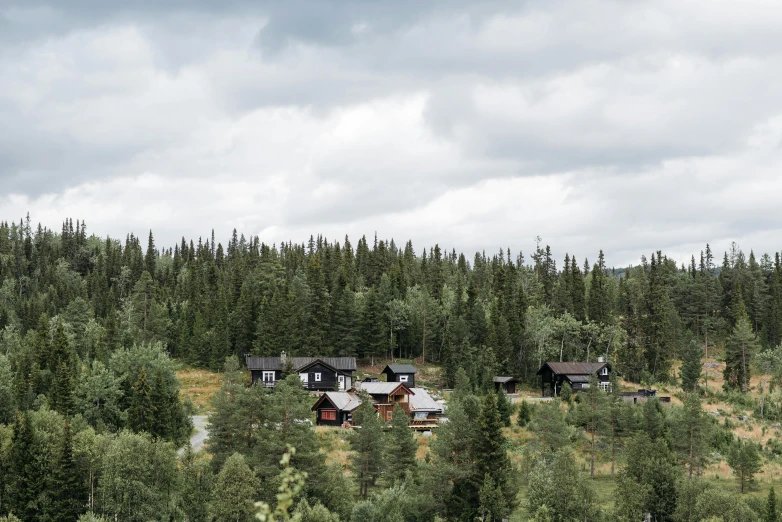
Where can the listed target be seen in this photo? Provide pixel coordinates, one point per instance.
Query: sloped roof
(400, 368)
(577, 378)
(382, 388)
(505, 379)
(343, 401)
(574, 368)
(422, 401)
(274, 363)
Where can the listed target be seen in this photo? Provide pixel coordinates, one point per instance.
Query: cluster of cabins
(340, 398)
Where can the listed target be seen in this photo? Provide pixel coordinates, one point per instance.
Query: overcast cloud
(626, 126)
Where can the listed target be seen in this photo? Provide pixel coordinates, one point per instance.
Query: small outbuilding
(400, 373)
(507, 384)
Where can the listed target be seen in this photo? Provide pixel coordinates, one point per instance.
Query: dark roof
(505, 379)
(400, 368)
(574, 368)
(274, 363)
(577, 378)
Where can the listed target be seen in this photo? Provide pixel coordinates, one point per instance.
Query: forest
(94, 424)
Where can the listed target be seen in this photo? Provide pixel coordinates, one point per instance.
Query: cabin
(316, 373)
(555, 374)
(336, 408)
(400, 373)
(507, 384)
(386, 395)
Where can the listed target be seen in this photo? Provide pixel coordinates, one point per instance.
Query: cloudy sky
(627, 126)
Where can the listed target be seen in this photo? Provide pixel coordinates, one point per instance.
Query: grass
(199, 386)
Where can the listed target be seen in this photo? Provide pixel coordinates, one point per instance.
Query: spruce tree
(692, 366)
(692, 431)
(26, 479)
(492, 457)
(525, 414)
(68, 490)
(739, 350)
(744, 459)
(367, 457)
(548, 425)
(142, 410)
(598, 303)
(770, 514)
(400, 448)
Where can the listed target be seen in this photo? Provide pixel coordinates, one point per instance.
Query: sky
(624, 126)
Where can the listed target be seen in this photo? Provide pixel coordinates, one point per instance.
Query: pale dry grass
(200, 386)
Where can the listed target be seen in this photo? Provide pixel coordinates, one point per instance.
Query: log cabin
(507, 384)
(316, 373)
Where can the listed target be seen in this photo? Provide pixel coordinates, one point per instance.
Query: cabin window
(328, 415)
(317, 377)
(605, 386)
(268, 376)
(304, 377)
(389, 415)
(341, 382)
(403, 378)
(604, 371)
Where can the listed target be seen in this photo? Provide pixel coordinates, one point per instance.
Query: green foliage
(566, 392)
(548, 425)
(692, 366)
(558, 491)
(400, 448)
(744, 459)
(234, 490)
(525, 414)
(739, 350)
(504, 406)
(367, 443)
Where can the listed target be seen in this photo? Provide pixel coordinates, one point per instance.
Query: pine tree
(26, 476)
(744, 459)
(548, 425)
(234, 492)
(67, 488)
(149, 259)
(692, 432)
(592, 413)
(492, 457)
(598, 303)
(400, 448)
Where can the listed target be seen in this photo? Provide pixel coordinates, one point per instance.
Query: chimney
(283, 359)
(600, 358)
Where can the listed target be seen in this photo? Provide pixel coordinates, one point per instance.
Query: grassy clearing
(199, 386)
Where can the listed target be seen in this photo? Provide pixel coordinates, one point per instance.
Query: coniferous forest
(94, 424)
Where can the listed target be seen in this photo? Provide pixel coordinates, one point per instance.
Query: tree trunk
(613, 444)
(691, 429)
(744, 364)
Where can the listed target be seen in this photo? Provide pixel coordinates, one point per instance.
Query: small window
(403, 378)
(268, 376)
(604, 371)
(303, 377)
(328, 415)
(317, 377)
(389, 415)
(605, 386)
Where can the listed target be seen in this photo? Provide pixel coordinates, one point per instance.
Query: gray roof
(574, 368)
(400, 368)
(274, 363)
(380, 387)
(422, 401)
(344, 401)
(505, 379)
(577, 378)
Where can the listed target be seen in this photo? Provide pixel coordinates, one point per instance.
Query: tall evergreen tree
(67, 488)
(400, 448)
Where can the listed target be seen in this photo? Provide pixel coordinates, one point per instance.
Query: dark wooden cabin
(316, 373)
(336, 408)
(507, 384)
(400, 373)
(555, 374)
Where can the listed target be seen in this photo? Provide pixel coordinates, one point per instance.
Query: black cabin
(400, 373)
(507, 384)
(316, 373)
(554, 374)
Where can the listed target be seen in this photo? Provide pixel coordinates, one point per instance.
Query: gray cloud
(627, 125)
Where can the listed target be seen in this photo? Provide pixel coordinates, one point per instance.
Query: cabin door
(341, 382)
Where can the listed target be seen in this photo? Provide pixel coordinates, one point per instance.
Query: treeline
(493, 314)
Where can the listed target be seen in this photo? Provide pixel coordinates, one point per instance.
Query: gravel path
(198, 438)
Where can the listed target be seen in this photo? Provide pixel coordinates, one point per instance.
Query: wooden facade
(404, 373)
(315, 373)
(554, 374)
